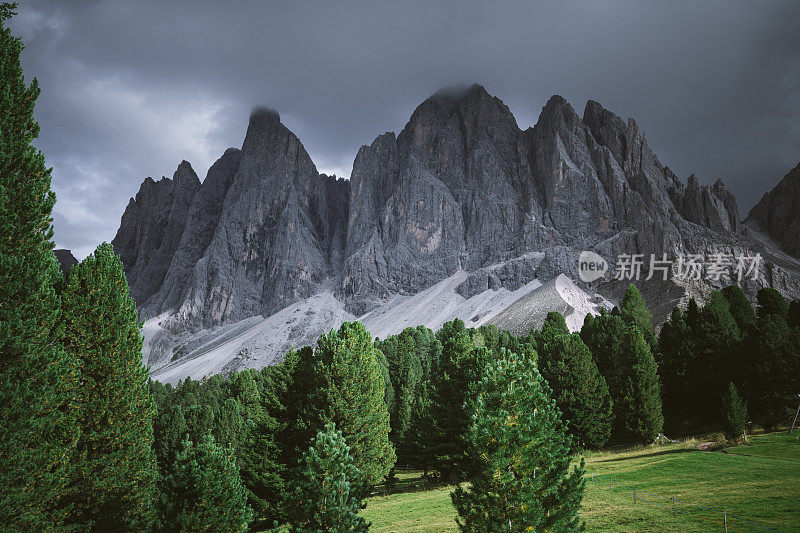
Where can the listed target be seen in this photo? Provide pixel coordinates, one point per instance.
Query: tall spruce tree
(341, 381)
(112, 485)
(38, 379)
(639, 414)
(676, 365)
(716, 340)
(734, 413)
(625, 359)
(578, 388)
(454, 372)
(169, 430)
(522, 480)
(203, 491)
(354, 387)
(329, 496)
(553, 328)
(740, 307)
(410, 356)
(633, 310)
(773, 377)
(771, 302)
(603, 335)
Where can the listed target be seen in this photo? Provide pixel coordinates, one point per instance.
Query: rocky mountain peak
(776, 214)
(185, 172)
(65, 260)
(557, 112)
(265, 131)
(151, 229)
(468, 111)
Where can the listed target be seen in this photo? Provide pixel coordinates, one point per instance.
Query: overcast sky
(129, 89)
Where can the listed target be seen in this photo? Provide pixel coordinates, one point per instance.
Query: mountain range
(462, 214)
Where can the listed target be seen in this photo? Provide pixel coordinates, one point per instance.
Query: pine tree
(771, 302)
(734, 411)
(603, 335)
(634, 312)
(409, 356)
(262, 474)
(329, 496)
(114, 471)
(639, 414)
(775, 348)
(263, 471)
(740, 307)
(355, 395)
(717, 360)
(578, 388)
(304, 408)
(676, 366)
(246, 392)
(409, 383)
(203, 491)
(625, 359)
(38, 379)
(453, 373)
(554, 327)
(341, 381)
(522, 480)
(229, 424)
(169, 430)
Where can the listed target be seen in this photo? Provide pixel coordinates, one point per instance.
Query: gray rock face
(265, 230)
(201, 224)
(152, 227)
(714, 207)
(65, 260)
(453, 190)
(462, 187)
(778, 212)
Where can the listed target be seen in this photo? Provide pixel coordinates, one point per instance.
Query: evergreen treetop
(328, 497)
(203, 491)
(523, 479)
(634, 311)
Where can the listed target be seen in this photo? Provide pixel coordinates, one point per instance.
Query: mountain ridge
(460, 188)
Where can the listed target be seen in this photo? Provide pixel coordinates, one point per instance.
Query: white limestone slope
(559, 294)
(439, 304)
(252, 343)
(257, 341)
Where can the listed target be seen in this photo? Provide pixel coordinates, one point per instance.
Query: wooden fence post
(673, 506)
(725, 520)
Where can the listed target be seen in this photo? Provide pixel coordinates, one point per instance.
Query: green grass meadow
(758, 481)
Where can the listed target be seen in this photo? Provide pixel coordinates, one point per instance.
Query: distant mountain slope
(462, 201)
(778, 212)
(65, 260)
(257, 341)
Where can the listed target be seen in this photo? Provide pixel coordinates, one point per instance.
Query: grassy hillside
(757, 481)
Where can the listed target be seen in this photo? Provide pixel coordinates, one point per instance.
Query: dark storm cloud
(131, 88)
